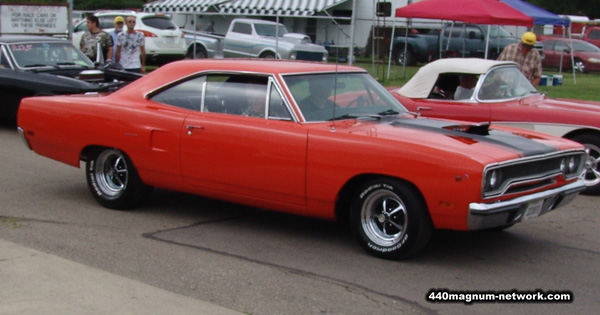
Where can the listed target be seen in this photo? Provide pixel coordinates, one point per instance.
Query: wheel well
(585, 131)
(90, 151)
(197, 45)
(344, 198)
(267, 52)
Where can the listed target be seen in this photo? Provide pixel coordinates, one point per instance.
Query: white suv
(164, 40)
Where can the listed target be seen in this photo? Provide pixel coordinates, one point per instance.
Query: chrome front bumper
(23, 138)
(505, 213)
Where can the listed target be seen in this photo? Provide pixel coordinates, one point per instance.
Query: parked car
(251, 38)
(586, 56)
(164, 41)
(255, 132)
(503, 96)
(42, 65)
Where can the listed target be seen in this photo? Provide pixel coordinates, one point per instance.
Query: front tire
(390, 219)
(591, 175)
(114, 181)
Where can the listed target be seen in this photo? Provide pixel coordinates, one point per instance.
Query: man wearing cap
(528, 59)
(118, 22)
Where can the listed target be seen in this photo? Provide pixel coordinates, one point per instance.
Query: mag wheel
(113, 180)
(390, 219)
(591, 174)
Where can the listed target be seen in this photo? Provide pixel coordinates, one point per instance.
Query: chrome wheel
(579, 66)
(390, 218)
(384, 218)
(591, 175)
(111, 173)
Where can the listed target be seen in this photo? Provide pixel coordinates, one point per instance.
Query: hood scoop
(482, 129)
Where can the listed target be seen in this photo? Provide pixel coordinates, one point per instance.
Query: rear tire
(591, 175)
(390, 219)
(113, 180)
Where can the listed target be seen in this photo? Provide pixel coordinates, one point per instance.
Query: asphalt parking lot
(260, 262)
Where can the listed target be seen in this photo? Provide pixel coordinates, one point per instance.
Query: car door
(240, 154)
(552, 51)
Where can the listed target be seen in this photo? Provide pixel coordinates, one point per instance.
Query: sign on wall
(33, 19)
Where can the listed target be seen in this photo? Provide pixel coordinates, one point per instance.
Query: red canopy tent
(470, 11)
(490, 12)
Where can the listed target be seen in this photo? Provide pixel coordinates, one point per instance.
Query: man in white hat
(528, 59)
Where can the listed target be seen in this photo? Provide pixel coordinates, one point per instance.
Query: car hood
(476, 141)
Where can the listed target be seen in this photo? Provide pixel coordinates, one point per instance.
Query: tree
(92, 5)
(587, 8)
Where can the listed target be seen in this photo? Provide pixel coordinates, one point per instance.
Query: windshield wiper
(39, 65)
(388, 112)
(351, 116)
(66, 64)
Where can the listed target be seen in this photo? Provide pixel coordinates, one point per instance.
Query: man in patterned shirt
(528, 59)
(92, 37)
(131, 53)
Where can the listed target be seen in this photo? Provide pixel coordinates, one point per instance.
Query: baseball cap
(119, 19)
(528, 39)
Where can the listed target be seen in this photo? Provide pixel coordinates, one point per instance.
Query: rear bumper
(505, 213)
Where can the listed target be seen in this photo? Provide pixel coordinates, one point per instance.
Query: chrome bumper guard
(505, 213)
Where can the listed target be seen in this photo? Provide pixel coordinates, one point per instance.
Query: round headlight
(494, 180)
(572, 165)
(563, 165)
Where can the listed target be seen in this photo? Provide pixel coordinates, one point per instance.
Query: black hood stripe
(520, 145)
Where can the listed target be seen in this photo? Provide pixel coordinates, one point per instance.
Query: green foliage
(587, 8)
(92, 5)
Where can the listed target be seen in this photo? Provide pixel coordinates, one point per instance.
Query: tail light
(148, 34)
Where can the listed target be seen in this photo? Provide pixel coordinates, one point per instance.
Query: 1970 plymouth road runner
(305, 138)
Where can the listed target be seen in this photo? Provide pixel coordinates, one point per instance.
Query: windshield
(270, 30)
(585, 46)
(30, 55)
(504, 83)
(323, 97)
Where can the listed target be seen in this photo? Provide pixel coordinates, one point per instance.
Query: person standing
(118, 22)
(528, 59)
(131, 53)
(92, 37)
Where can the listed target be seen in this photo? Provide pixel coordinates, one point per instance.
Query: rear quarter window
(159, 22)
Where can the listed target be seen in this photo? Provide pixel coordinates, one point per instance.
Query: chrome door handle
(192, 127)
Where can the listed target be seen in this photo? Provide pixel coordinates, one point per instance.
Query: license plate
(169, 40)
(533, 210)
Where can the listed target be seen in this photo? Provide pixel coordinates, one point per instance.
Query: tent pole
(487, 41)
(391, 47)
(572, 59)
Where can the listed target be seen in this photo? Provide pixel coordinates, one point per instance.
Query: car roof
(11, 39)
(421, 84)
(257, 66)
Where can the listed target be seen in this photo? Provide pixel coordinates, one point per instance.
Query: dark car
(40, 65)
(586, 56)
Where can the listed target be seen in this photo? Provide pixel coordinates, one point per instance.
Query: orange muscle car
(305, 138)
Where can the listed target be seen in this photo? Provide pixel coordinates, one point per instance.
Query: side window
(594, 34)
(244, 95)
(474, 33)
(187, 94)
(242, 28)
(277, 109)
